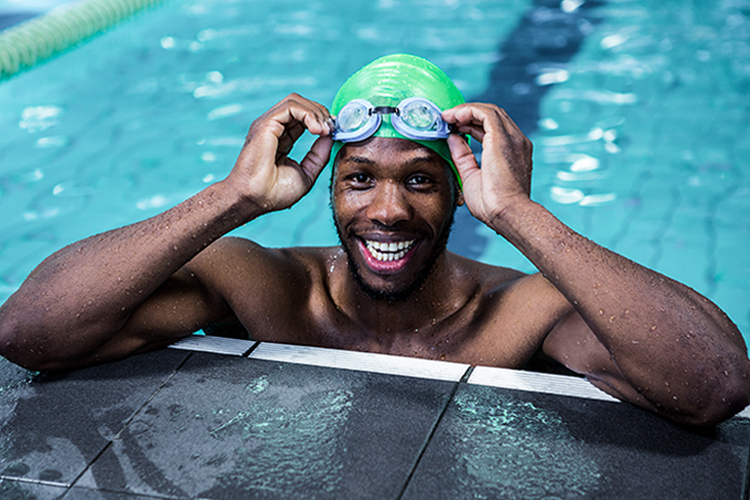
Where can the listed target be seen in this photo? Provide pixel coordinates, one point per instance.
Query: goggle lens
(420, 116)
(353, 117)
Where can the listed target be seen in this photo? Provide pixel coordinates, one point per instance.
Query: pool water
(638, 111)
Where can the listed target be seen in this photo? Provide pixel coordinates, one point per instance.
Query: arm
(130, 289)
(635, 333)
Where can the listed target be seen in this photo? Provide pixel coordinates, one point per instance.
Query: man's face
(393, 203)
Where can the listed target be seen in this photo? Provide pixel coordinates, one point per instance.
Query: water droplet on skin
(726, 373)
(653, 327)
(601, 312)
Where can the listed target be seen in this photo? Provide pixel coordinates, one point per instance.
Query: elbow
(724, 401)
(17, 345)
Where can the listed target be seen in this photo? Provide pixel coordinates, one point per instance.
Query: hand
(264, 174)
(505, 176)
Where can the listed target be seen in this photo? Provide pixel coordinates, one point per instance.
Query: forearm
(83, 294)
(674, 346)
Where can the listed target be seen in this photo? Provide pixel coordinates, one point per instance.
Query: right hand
(264, 174)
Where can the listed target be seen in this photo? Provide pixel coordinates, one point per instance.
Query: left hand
(505, 176)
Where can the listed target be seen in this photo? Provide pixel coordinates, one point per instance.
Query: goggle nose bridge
(384, 110)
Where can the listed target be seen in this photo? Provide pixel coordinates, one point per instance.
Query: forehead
(388, 152)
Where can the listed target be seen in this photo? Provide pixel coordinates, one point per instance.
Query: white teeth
(386, 252)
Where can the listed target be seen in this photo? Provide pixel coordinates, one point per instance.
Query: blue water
(640, 134)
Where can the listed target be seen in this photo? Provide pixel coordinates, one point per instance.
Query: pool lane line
(547, 36)
(27, 44)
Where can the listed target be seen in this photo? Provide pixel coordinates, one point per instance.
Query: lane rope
(38, 39)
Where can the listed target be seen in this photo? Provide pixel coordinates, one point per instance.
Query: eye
(359, 180)
(420, 181)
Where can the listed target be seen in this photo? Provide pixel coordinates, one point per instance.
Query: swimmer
(401, 166)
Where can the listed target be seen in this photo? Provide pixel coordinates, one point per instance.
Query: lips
(387, 257)
(388, 251)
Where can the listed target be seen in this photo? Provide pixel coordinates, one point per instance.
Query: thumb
(317, 158)
(463, 157)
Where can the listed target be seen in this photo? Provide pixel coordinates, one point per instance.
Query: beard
(402, 294)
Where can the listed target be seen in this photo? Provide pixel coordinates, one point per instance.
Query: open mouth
(388, 251)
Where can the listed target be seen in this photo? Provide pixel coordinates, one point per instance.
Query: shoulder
(239, 266)
(485, 278)
(241, 251)
(512, 314)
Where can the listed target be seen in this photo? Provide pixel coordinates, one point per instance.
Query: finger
(470, 119)
(317, 158)
(314, 116)
(289, 137)
(476, 132)
(463, 158)
(296, 109)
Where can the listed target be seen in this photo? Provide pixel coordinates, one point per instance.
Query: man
(391, 286)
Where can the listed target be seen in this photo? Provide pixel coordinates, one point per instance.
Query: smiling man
(401, 166)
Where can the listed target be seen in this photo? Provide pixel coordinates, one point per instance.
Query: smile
(387, 252)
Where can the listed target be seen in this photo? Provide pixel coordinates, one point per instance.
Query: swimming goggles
(415, 118)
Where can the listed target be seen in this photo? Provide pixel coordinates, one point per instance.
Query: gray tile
(77, 493)
(52, 425)
(499, 443)
(229, 427)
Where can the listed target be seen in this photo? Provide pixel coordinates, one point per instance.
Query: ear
(460, 198)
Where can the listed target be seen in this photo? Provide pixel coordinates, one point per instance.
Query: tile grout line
(247, 353)
(129, 421)
(427, 441)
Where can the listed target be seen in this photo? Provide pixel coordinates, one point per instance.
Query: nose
(389, 204)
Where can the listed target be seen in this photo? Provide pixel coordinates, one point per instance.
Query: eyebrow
(358, 159)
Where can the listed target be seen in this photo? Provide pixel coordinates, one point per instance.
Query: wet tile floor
(276, 421)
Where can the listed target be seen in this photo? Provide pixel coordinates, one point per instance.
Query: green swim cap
(391, 79)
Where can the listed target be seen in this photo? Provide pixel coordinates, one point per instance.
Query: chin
(388, 292)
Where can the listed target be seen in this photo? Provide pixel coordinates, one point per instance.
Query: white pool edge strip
(503, 378)
(361, 361)
(559, 385)
(39, 38)
(215, 345)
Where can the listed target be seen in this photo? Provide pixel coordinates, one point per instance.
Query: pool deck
(223, 418)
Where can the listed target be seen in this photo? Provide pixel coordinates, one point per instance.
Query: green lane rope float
(33, 41)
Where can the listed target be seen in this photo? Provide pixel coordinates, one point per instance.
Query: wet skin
(393, 205)
(632, 332)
